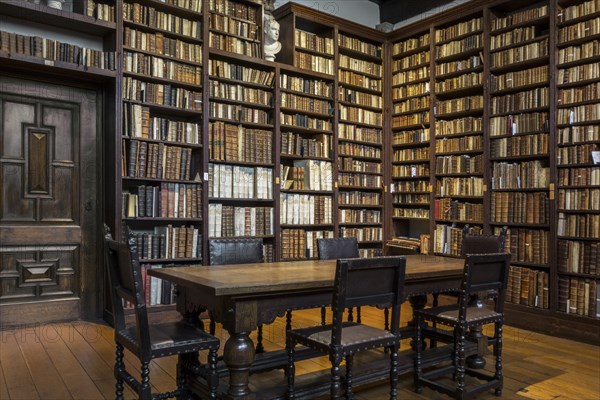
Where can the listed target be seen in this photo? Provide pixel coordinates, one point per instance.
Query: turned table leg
(238, 355)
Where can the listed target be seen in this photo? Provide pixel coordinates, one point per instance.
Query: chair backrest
(335, 248)
(125, 280)
(235, 251)
(484, 273)
(482, 244)
(368, 281)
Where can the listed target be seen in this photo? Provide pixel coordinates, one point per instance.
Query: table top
(240, 279)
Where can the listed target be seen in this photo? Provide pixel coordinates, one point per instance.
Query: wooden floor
(74, 361)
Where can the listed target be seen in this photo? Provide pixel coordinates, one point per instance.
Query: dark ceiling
(394, 11)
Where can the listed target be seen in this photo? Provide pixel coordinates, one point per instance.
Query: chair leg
(461, 361)
(323, 315)
(182, 386)
(119, 367)
(259, 340)
(419, 349)
(498, 354)
(350, 315)
(290, 370)
(213, 375)
(358, 318)
(145, 388)
(393, 372)
(348, 382)
(288, 320)
(336, 359)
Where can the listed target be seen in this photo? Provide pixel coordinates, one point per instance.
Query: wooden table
(241, 297)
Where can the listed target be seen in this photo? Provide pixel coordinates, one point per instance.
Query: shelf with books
(235, 26)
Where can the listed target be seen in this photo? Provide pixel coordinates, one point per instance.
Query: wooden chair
(358, 282)
(483, 272)
(236, 251)
(149, 341)
(333, 249)
(482, 244)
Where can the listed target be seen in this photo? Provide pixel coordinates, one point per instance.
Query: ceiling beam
(395, 11)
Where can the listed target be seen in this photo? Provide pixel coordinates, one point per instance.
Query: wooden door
(49, 207)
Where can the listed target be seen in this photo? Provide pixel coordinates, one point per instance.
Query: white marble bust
(272, 44)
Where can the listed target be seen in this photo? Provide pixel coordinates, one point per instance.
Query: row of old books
(239, 182)
(306, 85)
(238, 92)
(309, 104)
(582, 154)
(579, 94)
(526, 245)
(223, 69)
(458, 126)
(359, 45)
(364, 216)
(138, 122)
(421, 118)
(405, 244)
(579, 10)
(579, 177)
(228, 142)
(317, 175)
(463, 164)
(408, 76)
(534, 98)
(579, 296)
(410, 136)
(473, 42)
(149, 16)
(233, 44)
(448, 209)
(412, 43)
(470, 63)
(579, 114)
(458, 105)
(363, 66)
(521, 53)
(522, 175)
(581, 52)
(360, 115)
(239, 113)
(314, 63)
(579, 199)
(158, 67)
(519, 78)
(304, 209)
(578, 73)
(472, 186)
(163, 95)
(412, 213)
(304, 121)
(360, 133)
(580, 30)
(169, 200)
(411, 90)
(157, 43)
(522, 145)
(406, 197)
(520, 207)
(101, 11)
(359, 198)
(301, 244)
(311, 41)
(472, 25)
(350, 164)
(359, 150)
(235, 9)
(157, 161)
(157, 291)
(230, 221)
(520, 123)
(460, 82)
(298, 145)
(360, 180)
(368, 234)
(357, 79)
(584, 226)
(447, 240)
(579, 257)
(519, 17)
(169, 242)
(465, 143)
(412, 104)
(247, 30)
(516, 36)
(411, 61)
(527, 287)
(418, 154)
(55, 50)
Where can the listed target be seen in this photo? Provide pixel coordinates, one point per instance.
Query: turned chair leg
(323, 315)
(119, 367)
(498, 355)
(348, 382)
(145, 388)
(335, 375)
(259, 340)
(419, 349)
(213, 375)
(394, 372)
(290, 370)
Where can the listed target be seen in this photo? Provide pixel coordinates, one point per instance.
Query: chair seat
(171, 336)
(450, 313)
(353, 335)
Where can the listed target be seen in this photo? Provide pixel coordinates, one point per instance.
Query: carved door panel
(48, 191)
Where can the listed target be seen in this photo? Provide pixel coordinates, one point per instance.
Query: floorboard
(75, 361)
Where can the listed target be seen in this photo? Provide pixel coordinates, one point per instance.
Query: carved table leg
(238, 355)
(417, 302)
